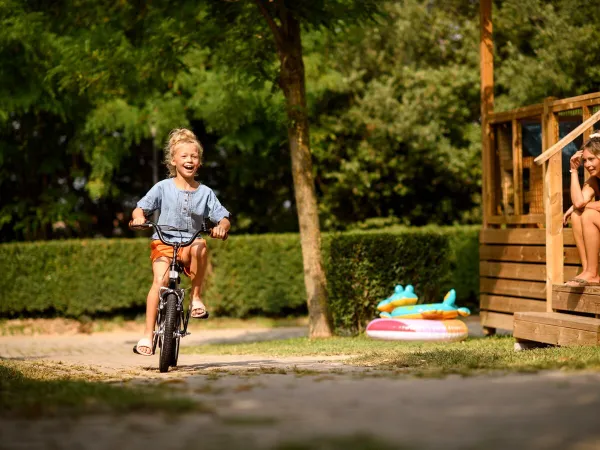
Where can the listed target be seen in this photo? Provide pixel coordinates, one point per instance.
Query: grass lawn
(32, 389)
(470, 357)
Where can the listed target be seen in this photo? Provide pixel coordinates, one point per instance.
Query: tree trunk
(292, 83)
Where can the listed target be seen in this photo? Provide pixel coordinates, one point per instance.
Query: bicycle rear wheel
(168, 342)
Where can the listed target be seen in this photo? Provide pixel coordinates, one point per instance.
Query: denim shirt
(185, 210)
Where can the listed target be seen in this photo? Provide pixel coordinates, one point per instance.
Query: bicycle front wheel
(168, 344)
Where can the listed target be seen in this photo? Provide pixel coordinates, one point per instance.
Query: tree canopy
(393, 106)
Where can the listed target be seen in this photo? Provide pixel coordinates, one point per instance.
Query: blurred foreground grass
(34, 389)
(470, 357)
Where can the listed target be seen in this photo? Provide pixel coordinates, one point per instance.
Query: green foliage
(248, 275)
(399, 135)
(545, 48)
(363, 269)
(393, 104)
(74, 277)
(257, 275)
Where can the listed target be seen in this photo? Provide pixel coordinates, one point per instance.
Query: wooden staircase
(565, 325)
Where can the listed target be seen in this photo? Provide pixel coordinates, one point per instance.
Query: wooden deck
(568, 326)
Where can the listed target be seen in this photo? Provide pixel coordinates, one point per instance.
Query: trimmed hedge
(256, 274)
(365, 266)
(248, 275)
(74, 277)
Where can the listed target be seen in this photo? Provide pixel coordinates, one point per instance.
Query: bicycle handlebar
(150, 224)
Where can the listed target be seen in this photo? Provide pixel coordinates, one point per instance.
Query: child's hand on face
(575, 161)
(218, 232)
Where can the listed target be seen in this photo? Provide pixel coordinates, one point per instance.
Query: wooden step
(576, 299)
(556, 328)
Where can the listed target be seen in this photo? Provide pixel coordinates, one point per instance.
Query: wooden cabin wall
(512, 270)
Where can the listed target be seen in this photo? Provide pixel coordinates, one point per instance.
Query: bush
(365, 267)
(247, 275)
(74, 277)
(256, 274)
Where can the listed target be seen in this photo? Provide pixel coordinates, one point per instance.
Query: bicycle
(171, 320)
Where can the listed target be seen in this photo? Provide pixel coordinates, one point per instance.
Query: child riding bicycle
(183, 203)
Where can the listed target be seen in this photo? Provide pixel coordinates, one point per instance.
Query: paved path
(343, 409)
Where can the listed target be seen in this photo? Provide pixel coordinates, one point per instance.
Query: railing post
(517, 158)
(553, 206)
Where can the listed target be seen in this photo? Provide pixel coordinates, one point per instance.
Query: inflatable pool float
(417, 330)
(400, 297)
(433, 311)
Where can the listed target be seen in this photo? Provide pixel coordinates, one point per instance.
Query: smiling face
(591, 162)
(186, 159)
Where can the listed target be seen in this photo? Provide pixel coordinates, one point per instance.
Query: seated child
(585, 212)
(183, 203)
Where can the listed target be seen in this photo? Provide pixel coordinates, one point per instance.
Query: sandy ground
(338, 407)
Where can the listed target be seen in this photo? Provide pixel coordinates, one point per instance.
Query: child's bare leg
(160, 268)
(196, 257)
(577, 225)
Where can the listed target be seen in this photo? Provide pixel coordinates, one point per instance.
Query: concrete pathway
(284, 404)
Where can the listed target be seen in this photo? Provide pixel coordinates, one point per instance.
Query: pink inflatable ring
(417, 330)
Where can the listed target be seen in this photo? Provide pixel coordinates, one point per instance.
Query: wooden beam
(521, 236)
(558, 146)
(553, 334)
(582, 303)
(519, 271)
(512, 288)
(496, 320)
(529, 111)
(594, 96)
(517, 160)
(523, 253)
(510, 305)
(486, 62)
(552, 204)
(561, 320)
(523, 112)
(517, 220)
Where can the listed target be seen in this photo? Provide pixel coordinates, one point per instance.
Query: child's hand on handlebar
(137, 222)
(218, 232)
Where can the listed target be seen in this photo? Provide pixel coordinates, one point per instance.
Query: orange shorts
(158, 249)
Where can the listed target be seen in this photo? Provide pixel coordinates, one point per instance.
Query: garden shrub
(365, 267)
(248, 275)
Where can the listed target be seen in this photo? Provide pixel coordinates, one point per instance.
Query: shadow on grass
(21, 395)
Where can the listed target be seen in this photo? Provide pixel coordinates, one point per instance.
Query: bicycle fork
(183, 318)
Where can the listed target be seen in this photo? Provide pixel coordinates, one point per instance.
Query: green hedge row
(248, 275)
(364, 268)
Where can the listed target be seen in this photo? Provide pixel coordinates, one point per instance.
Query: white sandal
(143, 342)
(198, 305)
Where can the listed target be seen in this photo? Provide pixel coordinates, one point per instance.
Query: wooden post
(585, 115)
(486, 66)
(517, 160)
(486, 63)
(552, 203)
